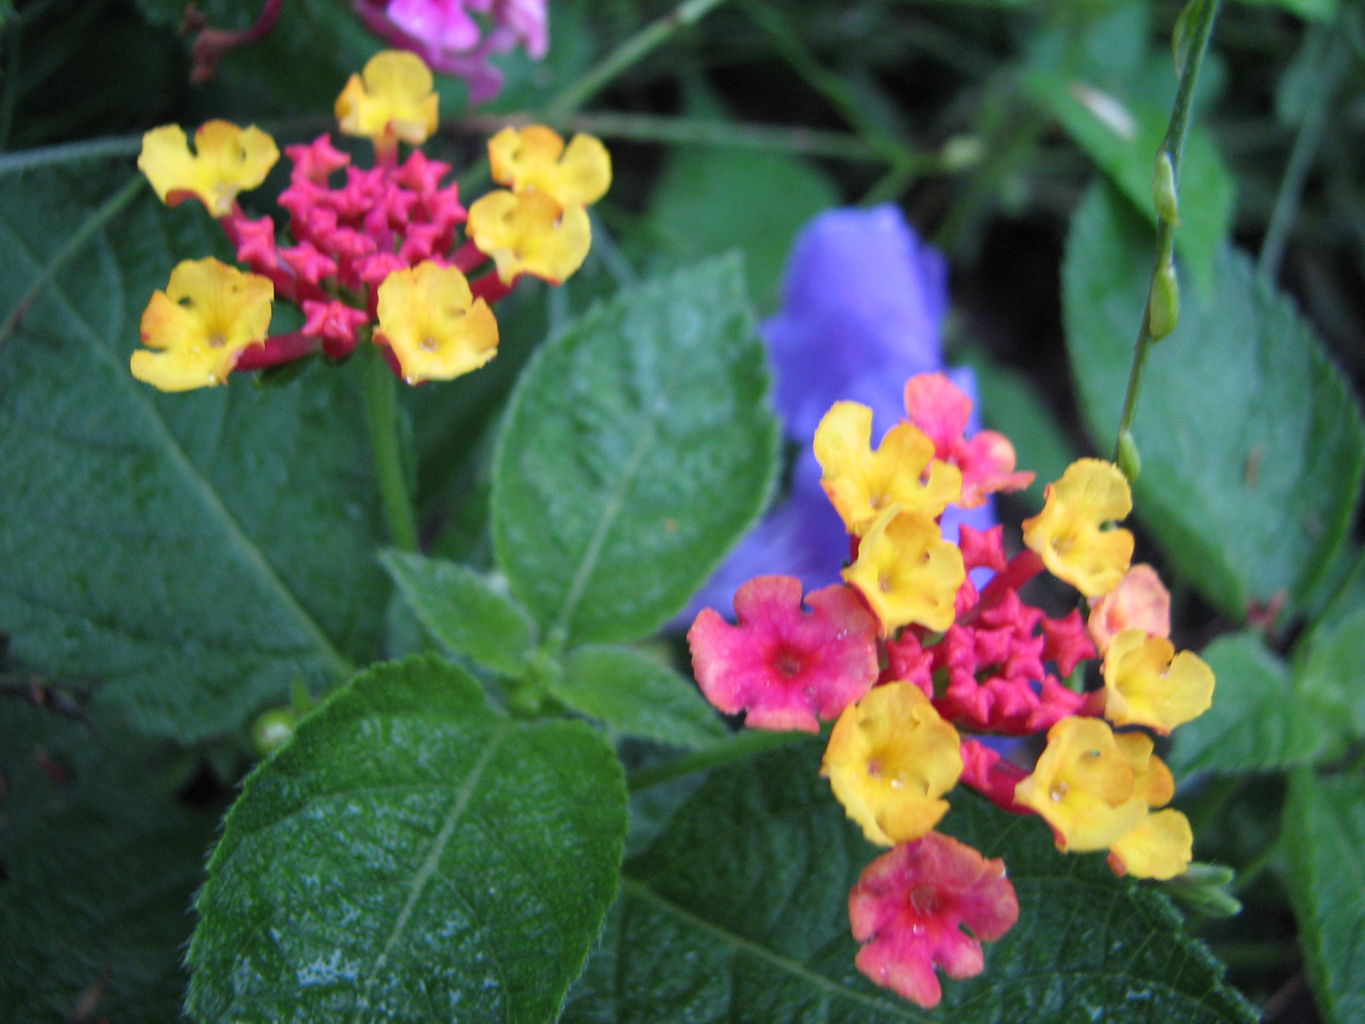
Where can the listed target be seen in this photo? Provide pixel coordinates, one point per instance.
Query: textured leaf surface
(100, 865)
(636, 694)
(1257, 722)
(1324, 834)
(188, 554)
(1249, 506)
(464, 610)
(411, 856)
(738, 912)
(638, 446)
(1332, 673)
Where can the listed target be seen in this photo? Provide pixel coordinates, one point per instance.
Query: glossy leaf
(638, 446)
(739, 912)
(1324, 834)
(637, 694)
(1258, 720)
(464, 610)
(190, 555)
(1248, 506)
(411, 855)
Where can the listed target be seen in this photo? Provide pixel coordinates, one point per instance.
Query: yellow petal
(434, 325)
(195, 330)
(535, 157)
(1068, 533)
(1160, 847)
(227, 160)
(889, 760)
(862, 483)
(392, 98)
(1147, 683)
(530, 233)
(1083, 786)
(907, 572)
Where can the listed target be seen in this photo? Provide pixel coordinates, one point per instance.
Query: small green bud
(1130, 462)
(1163, 189)
(1201, 888)
(272, 730)
(1163, 307)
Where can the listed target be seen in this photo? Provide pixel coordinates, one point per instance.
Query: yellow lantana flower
(227, 160)
(1068, 535)
(530, 233)
(535, 157)
(392, 98)
(433, 323)
(862, 483)
(907, 572)
(207, 316)
(890, 758)
(1084, 786)
(1160, 847)
(1147, 683)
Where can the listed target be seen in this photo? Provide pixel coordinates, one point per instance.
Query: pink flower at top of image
(457, 37)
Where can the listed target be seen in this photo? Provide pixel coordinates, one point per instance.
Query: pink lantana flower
(939, 409)
(909, 909)
(786, 666)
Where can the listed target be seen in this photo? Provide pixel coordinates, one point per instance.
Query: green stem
(1335, 39)
(381, 409)
(1259, 863)
(694, 132)
(1172, 148)
(629, 53)
(97, 220)
(736, 747)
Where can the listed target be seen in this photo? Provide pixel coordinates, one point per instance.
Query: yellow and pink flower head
(919, 665)
(386, 254)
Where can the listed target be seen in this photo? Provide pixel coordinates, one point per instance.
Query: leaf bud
(1163, 189)
(1130, 462)
(1163, 306)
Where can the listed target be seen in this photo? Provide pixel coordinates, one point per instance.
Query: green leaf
(739, 912)
(1258, 720)
(100, 864)
(464, 610)
(410, 855)
(1249, 506)
(187, 555)
(1313, 10)
(1324, 827)
(1119, 116)
(1332, 673)
(636, 694)
(709, 201)
(639, 445)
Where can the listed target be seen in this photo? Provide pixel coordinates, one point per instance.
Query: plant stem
(736, 747)
(633, 50)
(381, 409)
(698, 132)
(111, 208)
(1335, 39)
(1172, 147)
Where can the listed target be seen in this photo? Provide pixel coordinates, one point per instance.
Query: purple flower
(445, 34)
(863, 306)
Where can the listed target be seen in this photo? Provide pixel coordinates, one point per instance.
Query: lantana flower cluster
(918, 668)
(387, 255)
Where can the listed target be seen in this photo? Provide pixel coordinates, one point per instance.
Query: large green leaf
(1252, 446)
(637, 694)
(1331, 673)
(1259, 720)
(1116, 106)
(411, 855)
(638, 446)
(100, 863)
(738, 912)
(188, 555)
(1324, 828)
